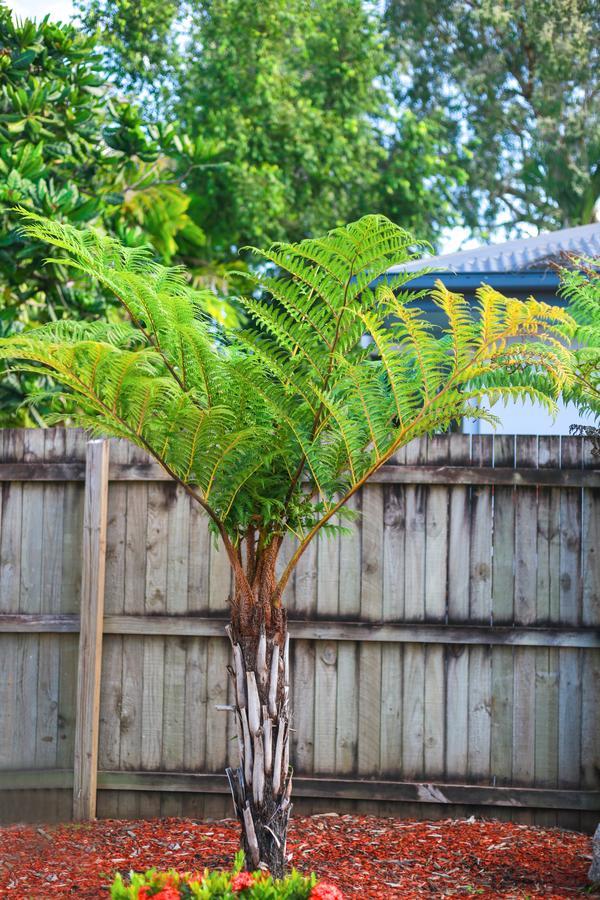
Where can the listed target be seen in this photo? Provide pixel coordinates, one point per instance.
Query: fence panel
(446, 656)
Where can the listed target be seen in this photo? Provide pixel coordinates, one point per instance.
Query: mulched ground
(365, 856)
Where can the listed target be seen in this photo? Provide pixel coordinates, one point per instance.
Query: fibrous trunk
(261, 785)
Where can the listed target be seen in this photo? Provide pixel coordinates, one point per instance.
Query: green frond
(274, 423)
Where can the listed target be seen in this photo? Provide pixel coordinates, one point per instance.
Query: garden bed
(365, 856)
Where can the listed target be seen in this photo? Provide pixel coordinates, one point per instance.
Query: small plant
(224, 885)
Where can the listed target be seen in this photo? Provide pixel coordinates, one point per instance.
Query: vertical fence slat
(90, 635)
(480, 605)
(526, 513)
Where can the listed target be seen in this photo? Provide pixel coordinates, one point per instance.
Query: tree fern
(273, 426)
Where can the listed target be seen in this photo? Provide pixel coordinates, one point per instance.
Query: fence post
(90, 636)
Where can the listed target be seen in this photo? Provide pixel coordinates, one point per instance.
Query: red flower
(324, 890)
(168, 893)
(241, 881)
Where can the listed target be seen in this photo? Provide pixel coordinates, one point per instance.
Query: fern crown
(274, 424)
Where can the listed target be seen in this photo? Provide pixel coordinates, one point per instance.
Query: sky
(37, 9)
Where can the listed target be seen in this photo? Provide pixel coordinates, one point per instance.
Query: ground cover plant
(272, 426)
(363, 856)
(259, 885)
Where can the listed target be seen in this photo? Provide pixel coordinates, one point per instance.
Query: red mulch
(365, 856)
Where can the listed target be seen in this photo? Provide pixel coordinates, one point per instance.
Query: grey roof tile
(516, 255)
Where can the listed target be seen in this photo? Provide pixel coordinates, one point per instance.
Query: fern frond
(276, 422)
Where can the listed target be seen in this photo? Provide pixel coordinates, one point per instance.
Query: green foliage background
(260, 121)
(518, 84)
(296, 96)
(71, 151)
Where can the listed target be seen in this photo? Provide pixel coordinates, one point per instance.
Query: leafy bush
(224, 885)
(70, 150)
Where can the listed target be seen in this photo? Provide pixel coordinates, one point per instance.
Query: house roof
(534, 253)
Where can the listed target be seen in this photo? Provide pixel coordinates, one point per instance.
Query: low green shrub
(234, 885)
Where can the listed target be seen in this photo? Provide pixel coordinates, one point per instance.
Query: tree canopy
(69, 150)
(295, 98)
(518, 84)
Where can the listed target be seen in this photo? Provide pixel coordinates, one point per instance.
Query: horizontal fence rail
(389, 474)
(446, 655)
(196, 626)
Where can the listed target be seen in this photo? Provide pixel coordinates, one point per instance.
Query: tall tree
(519, 83)
(295, 95)
(273, 426)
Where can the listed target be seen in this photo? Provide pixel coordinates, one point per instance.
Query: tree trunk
(261, 785)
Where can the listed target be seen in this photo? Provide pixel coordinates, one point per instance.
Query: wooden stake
(87, 724)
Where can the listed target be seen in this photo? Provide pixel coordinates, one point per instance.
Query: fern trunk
(261, 785)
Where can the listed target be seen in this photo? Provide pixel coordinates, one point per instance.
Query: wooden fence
(446, 657)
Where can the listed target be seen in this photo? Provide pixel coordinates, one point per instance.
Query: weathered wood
(570, 661)
(11, 711)
(525, 612)
(197, 626)
(69, 596)
(392, 662)
(459, 710)
(502, 676)
(480, 610)
(117, 711)
(90, 636)
(173, 718)
(42, 471)
(395, 791)
(547, 611)
(436, 593)
(406, 474)
(34, 720)
(486, 475)
(371, 575)
(134, 574)
(457, 669)
(220, 750)
(367, 789)
(326, 675)
(413, 677)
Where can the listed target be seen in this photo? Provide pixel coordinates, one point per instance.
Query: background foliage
(517, 82)
(296, 96)
(270, 120)
(69, 151)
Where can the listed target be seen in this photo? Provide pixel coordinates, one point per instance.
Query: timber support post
(90, 637)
